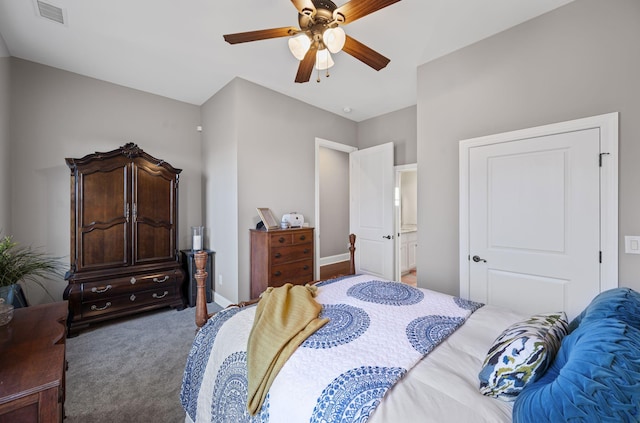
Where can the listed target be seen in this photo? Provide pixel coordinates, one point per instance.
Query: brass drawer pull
(166, 278)
(106, 306)
(160, 296)
(133, 281)
(101, 289)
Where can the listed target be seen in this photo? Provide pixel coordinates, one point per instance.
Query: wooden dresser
(124, 219)
(32, 364)
(280, 256)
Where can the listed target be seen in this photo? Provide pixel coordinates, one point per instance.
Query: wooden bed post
(202, 314)
(352, 251)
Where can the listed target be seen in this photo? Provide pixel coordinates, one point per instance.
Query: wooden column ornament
(202, 315)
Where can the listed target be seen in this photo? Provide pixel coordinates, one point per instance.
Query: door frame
(320, 142)
(608, 127)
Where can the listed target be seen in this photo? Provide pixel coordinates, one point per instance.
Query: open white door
(371, 212)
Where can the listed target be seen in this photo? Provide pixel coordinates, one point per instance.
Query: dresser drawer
(93, 291)
(121, 302)
(296, 272)
(280, 255)
(290, 237)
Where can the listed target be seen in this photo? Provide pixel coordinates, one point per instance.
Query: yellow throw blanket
(285, 317)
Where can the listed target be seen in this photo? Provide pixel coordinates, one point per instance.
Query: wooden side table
(32, 368)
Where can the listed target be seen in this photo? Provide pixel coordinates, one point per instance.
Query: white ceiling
(175, 48)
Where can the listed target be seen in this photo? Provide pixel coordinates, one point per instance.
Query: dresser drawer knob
(306, 251)
(302, 237)
(277, 255)
(160, 296)
(101, 289)
(277, 273)
(306, 267)
(133, 281)
(95, 308)
(166, 278)
(281, 240)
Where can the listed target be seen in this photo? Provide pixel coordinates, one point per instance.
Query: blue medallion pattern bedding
(378, 330)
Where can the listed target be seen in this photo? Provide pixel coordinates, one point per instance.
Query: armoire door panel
(104, 247)
(153, 243)
(103, 218)
(154, 200)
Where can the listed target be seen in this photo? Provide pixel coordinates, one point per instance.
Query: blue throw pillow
(521, 354)
(619, 303)
(595, 377)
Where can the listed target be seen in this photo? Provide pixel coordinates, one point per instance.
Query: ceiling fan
(320, 34)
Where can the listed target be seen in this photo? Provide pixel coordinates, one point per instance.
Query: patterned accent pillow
(521, 354)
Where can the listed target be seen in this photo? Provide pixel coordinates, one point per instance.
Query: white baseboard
(334, 259)
(221, 301)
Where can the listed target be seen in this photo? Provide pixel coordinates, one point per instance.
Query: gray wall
(57, 114)
(5, 147)
(274, 147)
(220, 118)
(400, 127)
(577, 61)
(334, 202)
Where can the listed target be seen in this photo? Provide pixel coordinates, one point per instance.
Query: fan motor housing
(323, 15)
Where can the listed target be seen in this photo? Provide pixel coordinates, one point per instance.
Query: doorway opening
(406, 223)
(331, 208)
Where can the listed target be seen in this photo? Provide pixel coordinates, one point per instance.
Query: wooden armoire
(124, 223)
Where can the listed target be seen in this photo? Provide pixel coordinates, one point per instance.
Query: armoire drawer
(122, 302)
(93, 291)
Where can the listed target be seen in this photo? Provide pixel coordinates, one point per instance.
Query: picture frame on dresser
(268, 219)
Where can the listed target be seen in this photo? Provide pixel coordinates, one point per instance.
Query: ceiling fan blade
(264, 34)
(365, 54)
(306, 65)
(356, 9)
(305, 7)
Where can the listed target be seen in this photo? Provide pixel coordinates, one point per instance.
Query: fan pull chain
(318, 80)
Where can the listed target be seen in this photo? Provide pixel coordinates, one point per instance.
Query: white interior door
(371, 211)
(534, 222)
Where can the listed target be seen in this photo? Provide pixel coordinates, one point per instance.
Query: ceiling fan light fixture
(334, 39)
(299, 46)
(323, 59)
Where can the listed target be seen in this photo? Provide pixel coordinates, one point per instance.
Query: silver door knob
(478, 259)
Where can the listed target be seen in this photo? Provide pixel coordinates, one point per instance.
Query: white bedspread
(378, 331)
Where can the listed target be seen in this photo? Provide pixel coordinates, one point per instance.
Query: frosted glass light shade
(323, 59)
(334, 39)
(299, 46)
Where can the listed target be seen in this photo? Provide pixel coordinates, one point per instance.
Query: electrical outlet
(219, 279)
(632, 244)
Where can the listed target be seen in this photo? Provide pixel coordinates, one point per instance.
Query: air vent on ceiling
(51, 12)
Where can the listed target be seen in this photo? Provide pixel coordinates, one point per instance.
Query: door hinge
(600, 257)
(602, 154)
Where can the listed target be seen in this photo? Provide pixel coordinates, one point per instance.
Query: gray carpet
(130, 369)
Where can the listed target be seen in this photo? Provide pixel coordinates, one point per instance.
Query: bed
(395, 353)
